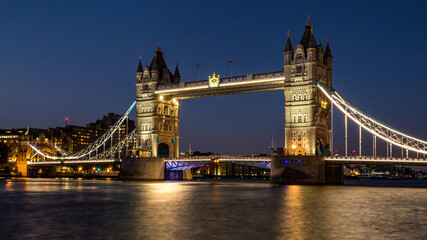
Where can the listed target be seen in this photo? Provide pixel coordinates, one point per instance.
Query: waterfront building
(11, 138)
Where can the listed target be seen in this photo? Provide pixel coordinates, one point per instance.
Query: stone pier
(150, 169)
(304, 170)
(142, 169)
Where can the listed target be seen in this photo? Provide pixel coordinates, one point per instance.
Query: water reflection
(112, 209)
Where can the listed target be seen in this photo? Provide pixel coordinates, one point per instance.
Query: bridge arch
(163, 150)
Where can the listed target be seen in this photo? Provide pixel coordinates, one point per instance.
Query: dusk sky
(79, 58)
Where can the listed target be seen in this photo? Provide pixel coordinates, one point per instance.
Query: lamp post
(293, 148)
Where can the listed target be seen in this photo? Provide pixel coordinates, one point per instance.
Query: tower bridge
(306, 81)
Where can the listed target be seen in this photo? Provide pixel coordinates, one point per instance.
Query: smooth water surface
(113, 209)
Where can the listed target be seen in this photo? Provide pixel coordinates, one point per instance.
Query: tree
(4, 153)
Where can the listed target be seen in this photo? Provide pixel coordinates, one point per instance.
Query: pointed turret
(289, 51)
(139, 65)
(159, 64)
(307, 40)
(139, 70)
(288, 47)
(328, 49)
(176, 75)
(328, 55)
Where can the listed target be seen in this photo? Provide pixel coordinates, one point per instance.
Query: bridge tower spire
(289, 50)
(176, 75)
(307, 111)
(139, 70)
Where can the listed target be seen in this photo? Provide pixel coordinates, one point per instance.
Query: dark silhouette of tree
(4, 153)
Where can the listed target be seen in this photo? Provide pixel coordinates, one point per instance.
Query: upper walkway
(234, 85)
(74, 162)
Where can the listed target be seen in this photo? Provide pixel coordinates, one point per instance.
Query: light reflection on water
(112, 209)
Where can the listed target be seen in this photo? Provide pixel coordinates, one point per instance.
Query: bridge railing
(235, 79)
(219, 157)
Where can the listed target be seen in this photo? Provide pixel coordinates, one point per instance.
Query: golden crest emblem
(214, 80)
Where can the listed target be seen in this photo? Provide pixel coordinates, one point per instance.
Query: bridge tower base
(304, 170)
(179, 175)
(142, 169)
(334, 173)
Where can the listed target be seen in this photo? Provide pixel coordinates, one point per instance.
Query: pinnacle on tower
(176, 75)
(307, 40)
(308, 24)
(288, 47)
(176, 70)
(158, 63)
(139, 65)
(328, 49)
(158, 49)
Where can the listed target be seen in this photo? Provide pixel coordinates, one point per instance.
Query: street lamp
(293, 147)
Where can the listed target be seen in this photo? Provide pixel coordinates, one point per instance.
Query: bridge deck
(377, 160)
(219, 158)
(209, 159)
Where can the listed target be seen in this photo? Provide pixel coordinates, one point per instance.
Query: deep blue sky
(78, 59)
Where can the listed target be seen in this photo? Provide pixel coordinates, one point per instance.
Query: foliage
(4, 153)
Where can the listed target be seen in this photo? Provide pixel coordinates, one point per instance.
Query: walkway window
(299, 118)
(294, 97)
(305, 96)
(299, 97)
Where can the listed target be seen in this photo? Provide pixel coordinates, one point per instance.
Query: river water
(113, 209)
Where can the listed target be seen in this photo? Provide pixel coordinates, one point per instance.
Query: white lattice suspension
(93, 146)
(61, 151)
(118, 146)
(373, 126)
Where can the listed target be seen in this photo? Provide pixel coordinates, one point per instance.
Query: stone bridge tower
(307, 111)
(157, 116)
